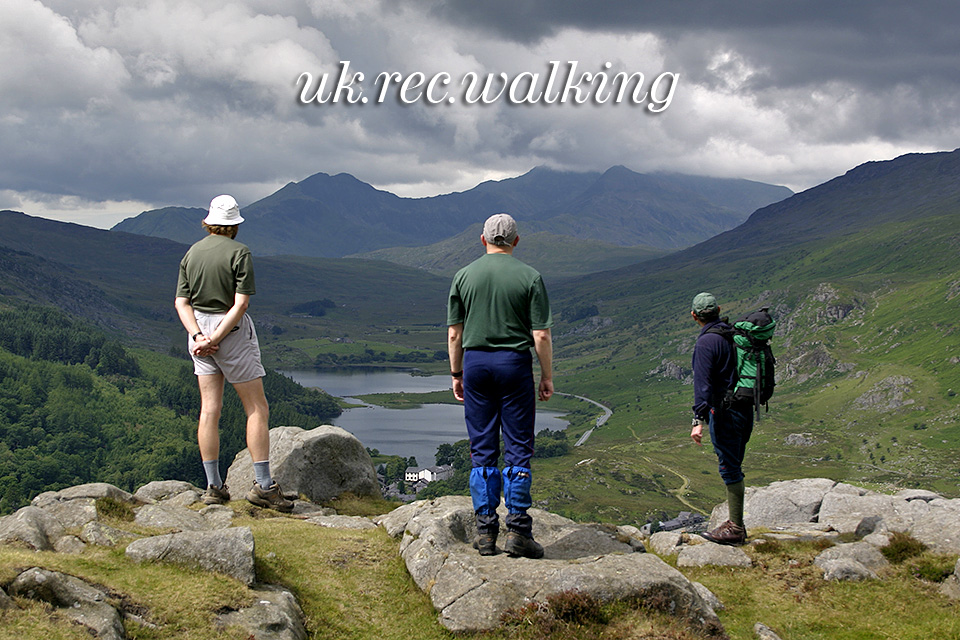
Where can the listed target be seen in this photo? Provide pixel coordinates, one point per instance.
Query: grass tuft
(901, 547)
(112, 509)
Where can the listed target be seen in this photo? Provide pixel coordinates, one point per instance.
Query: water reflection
(404, 432)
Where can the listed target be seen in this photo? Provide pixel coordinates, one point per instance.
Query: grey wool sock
(262, 472)
(212, 469)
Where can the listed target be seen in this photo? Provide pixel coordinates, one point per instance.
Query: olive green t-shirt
(500, 302)
(213, 271)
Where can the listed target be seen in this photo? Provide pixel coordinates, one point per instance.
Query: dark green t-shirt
(500, 302)
(213, 271)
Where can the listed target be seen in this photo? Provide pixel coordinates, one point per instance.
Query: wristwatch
(194, 336)
(457, 374)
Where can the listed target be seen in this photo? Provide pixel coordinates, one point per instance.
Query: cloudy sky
(112, 107)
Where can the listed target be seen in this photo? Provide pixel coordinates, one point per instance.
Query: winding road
(601, 420)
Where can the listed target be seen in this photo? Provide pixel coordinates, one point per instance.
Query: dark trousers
(500, 399)
(730, 429)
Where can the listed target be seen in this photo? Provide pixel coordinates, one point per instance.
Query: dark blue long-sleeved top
(714, 369)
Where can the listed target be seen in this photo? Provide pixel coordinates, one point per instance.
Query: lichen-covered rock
(846, 569)
(166, 516)
(103, 535)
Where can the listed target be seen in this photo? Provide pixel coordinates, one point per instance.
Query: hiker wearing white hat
(213, 294)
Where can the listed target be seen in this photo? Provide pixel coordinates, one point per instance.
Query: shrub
(901, 547)
(932, 568)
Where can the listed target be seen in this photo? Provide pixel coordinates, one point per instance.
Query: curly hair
(229, 230)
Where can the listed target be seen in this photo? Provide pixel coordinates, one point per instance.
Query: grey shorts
(238, 358)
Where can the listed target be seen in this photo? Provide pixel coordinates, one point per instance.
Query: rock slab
(228, 551)
(471, 592)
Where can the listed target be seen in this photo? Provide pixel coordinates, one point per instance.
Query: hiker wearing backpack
(720, 404)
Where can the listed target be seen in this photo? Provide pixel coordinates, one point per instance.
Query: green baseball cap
(704, 303)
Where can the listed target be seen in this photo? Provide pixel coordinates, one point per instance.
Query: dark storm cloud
(116, 107)
(879, 43)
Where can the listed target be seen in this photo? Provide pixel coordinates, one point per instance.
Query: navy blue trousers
(730, 429)
(500, 399)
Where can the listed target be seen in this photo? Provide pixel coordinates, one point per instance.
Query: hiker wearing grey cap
(213, 293)
(497, 310)
(730, 421)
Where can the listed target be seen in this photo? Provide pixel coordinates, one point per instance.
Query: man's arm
(241, 302)
(455, 351)
(202, 345)
(543, 345)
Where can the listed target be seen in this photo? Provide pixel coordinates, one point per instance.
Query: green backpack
(755, 362)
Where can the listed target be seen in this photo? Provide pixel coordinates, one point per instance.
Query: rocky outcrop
(229, 551)
(77, 600)
(933, 520)
(887, 395)
(320, 464)
(31, 527)
(471, 592)
(274, 615)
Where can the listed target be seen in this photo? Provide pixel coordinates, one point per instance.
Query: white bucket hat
(224, 211)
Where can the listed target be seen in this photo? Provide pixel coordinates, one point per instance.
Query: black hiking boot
(486, 544)
(521, 546)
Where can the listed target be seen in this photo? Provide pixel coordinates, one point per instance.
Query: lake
(403, 432)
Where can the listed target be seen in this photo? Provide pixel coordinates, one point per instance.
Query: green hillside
(861, 275)
(554, 256)
(126, 283)
(76, 406)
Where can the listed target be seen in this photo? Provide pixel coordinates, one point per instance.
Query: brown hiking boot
(271, 498)
(727, 533)
(213, 495)
(486, 544)
(520, 546)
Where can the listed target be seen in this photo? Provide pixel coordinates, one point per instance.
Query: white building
(428, 474)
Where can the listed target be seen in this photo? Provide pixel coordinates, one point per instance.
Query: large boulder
(779, 503)
(321, 464)
(471, 592)
(31, 527)
(227, 551)
(79, 601)
(94, 490)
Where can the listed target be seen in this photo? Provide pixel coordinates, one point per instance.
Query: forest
(77, 406)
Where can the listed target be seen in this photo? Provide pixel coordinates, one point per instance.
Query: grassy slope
(894, 282)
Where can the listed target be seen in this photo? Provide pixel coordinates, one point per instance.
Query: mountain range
(860, 273)
(335, 216)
